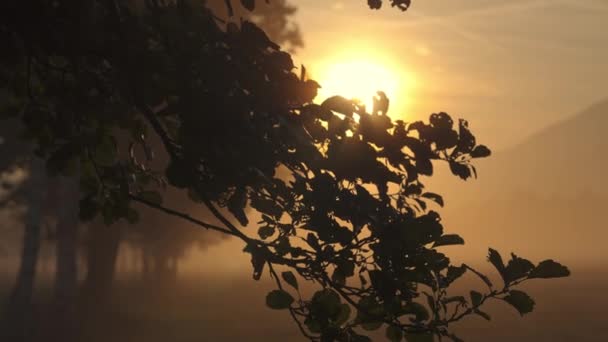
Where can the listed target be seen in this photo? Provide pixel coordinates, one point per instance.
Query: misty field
(196, 309)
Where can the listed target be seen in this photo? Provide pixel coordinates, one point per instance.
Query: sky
(510, 67)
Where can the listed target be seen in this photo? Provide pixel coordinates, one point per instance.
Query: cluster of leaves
(337, 184)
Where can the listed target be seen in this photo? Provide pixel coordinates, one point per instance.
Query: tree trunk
(66, 278)
(19, 310)
(102, 252)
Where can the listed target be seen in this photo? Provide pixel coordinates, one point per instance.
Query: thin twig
(181, 215)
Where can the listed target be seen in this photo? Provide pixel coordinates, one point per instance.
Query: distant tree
(337, 184)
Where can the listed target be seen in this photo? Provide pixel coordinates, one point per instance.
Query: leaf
(495, 259)
(426, 337)
(480, 151)
(460, 170)
(257, 261)
(517, 268)
(248, 4)
(455, 273)
(339, 104)
(290, 279)
(449, 239)
(344, 314)
(374, 4)
(278, 300)
(370, 313)
(236, 205)
(313, 325)
(520, 301)
(338, 277)
(393, 333)
(326, 302)
(265, 232)
(549, 269)
(434, 197)
(151, 196)
(466, 140)
(476, 298)
(380, 103)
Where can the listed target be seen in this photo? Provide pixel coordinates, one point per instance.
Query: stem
(181, 215)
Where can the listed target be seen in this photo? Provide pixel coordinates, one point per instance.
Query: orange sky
(510, 67)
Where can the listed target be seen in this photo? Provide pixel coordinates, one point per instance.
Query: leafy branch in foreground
(337, 185)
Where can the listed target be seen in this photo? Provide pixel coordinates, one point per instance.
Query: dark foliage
(348, 209)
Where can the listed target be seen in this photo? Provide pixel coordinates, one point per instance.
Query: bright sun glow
(360, 77)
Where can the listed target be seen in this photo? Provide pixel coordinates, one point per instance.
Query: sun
(360, 76)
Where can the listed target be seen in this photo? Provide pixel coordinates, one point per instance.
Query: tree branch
(158, 128)
(181, 215)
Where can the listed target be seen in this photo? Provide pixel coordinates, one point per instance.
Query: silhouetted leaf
(466, 141)
(313, 324)
(401, 4)
(290, 279)
(236, 205)
(481, 151)
(549, 269)
(520, 301)
(265, 232)
(434, 197)
(455, 273)
(517, 268)
(344, 314)
(496, 260)
(441, 121)
(339, 104)
(257, 261)
(279, 300)
(380, 103)
(476, 298)
(460, 170)
(449, 239)
(374, 4)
